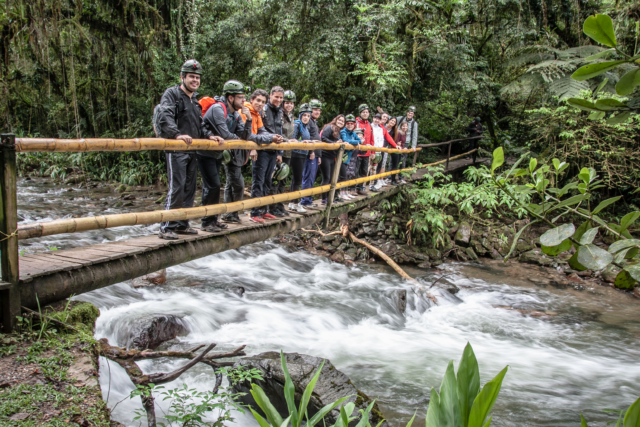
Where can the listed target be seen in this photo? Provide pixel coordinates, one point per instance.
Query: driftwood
(389, 261)
(127, 359)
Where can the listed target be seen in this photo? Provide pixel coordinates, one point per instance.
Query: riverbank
(48, 371)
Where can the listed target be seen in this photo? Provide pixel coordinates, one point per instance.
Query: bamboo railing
(24, 145)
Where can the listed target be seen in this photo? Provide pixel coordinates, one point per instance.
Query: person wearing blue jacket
(299, 158)
(348, 135)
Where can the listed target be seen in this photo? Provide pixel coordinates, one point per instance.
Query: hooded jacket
(272, 120)
(301, 133)
(350, 137)
(368, 135)
(179, 114)
(315, 135)
(231, 127)
(288, 125)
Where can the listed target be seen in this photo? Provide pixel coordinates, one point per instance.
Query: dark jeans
(308, 178)
(404, 160)
(182, 171)
(210, 172)
(261, 171)
(362, 170)
(280, 188)
(343, 173)
(234, 187)
(297, 166)
(395, 163)
(326, 167)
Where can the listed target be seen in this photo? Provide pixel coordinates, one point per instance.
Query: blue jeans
(261, 171)
(308, 178)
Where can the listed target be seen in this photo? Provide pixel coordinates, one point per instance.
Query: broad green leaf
(590, 71)
(593, 257)
(555, 250)
(328, 408)
(588, 236)
(583, 422)
(632, 417)
(498, 159)
(468, 382)
(433, 411)
(619, 118)
(609, 104)
(584, 175)
(600, 28)
(259, 419)
(306, 396)
(449, 407)
(485, 400)
(289, 392)
(582, 104)
(597, 115)
(602, 54)
(628, 82)
(623, 244)
(573, 200)
(624, 280)
(515, 165)
(364, 417)
(603, 204)
(265, 404)
(573, 263)
(557, 235)
(556, 163)
(628, 219)
(532, 164)
(633, 270)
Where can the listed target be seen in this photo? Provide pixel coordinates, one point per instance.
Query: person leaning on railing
(347, 168)
(223, 119)
(288, 119)
(362, 167)
(314, 161)
(412, 131)
(180, 117)
(299, 157)
(331, 134)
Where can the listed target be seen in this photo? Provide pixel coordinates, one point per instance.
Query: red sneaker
(257, 219)
(268, 216)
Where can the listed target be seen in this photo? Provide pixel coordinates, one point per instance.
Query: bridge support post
(334, 181)
(448, 156)
(9, 273)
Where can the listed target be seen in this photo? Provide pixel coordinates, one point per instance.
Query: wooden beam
(334, 180)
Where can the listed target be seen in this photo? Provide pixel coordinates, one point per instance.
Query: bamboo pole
(139, 144)
(9, 256)
(334, 180)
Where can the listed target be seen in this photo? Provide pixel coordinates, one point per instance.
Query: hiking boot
(168, 235)
(213, 228)
(277, 213)
(257, 219)
(231, 218)
(268, 216)
(188, 230)
(220, 225)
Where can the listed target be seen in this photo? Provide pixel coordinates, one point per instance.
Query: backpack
(156, 116)
(206, 102)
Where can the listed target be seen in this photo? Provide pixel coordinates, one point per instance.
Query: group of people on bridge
(267, 117)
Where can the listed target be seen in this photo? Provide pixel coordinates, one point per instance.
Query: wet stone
(463, 235)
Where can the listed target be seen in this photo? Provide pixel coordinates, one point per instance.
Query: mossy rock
(80, 315)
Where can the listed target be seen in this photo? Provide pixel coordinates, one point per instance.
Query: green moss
(81, 315)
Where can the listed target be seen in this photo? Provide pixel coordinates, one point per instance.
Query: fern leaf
(566, 87)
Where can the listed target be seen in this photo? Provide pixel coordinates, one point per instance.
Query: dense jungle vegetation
(97, 68)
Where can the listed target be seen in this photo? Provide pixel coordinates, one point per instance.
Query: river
(569, 350)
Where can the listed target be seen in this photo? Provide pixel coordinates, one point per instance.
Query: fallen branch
(320, 232)
(392, 263)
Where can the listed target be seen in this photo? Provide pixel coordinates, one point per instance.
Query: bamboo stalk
(139, 144)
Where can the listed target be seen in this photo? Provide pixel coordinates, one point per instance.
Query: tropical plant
(461, 402)
(631, 416)
(573, 200)
(600, 29)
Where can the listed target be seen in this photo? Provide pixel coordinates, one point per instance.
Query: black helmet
(232, 87)
(362, 107)
(350, 118)
(304, 108)
(477, 119)
(314, 103)
(191, 66)
(289, 96)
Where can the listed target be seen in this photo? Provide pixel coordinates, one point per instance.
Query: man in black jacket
(179, 116)
(265, 163)
(223, 119)
(314, 161)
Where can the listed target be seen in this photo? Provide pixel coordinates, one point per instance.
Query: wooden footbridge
(48, 277)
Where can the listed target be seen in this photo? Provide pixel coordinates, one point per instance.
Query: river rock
(330, 238)
(471, 254)
(151, 279)
(425, 265)
(463, 234)
(338, 257)
(153, 332)
(370, 230)
(331, 386)
(536, 257)
(433, 253)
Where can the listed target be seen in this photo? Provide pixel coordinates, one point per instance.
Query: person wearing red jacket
(362, 168)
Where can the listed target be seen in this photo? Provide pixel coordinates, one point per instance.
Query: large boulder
(331, 386)
(151, 333)
(463, 235)
(536, 257)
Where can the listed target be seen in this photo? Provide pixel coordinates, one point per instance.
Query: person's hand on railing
(219, 139)
(277, 138)
(254, 155)
(186, 138)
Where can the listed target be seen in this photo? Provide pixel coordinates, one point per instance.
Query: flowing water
(569, 351)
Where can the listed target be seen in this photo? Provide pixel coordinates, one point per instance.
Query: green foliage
(461, 402)
(569, 202)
